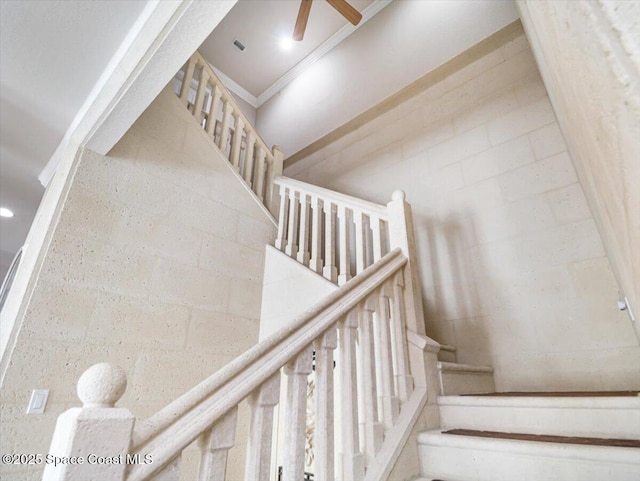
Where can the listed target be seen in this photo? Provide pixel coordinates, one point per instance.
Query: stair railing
(381, 381)
(215, 109)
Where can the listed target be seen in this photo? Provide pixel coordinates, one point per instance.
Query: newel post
(95, 438)
(274, 169)
(401, 235)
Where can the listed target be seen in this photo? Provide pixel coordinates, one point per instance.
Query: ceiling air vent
(238, 44)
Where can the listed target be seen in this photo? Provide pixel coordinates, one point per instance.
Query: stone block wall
(513, 268)
(155, 265)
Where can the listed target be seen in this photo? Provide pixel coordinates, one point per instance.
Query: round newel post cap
(102, 385)
(398, 195)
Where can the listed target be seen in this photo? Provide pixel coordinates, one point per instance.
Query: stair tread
(461, 367)
(547, 438)
(558, 394)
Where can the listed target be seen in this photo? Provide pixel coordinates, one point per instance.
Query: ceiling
(52, 53)
(259, 25)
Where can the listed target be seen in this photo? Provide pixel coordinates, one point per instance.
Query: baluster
(186, 80)
(258, 457)
(224, 131)
(247, 173)
(237, 141)
(351, 459)
(200, 94)
(371, 428)
(171, 472)
(387, 402)
(303, 243)
(361, 242)
(274, 169)
(344, 216)
(292, 248)
(297, 372)
(330, 271)
(315, 263)
(258, 185)
(403, 380)
(376, 230)
(282, 219)
(213, 112)
(323, 435)
(214, 446)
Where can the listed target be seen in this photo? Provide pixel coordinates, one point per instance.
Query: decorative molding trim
(428, 80)
(236, 88)
(368, 13)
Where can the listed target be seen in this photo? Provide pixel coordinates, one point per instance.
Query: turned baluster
(274, 169)
(403, 380)
(351, 459)
(344, 217)
(324, 413)
(247, 172)
(226, 121)
(292, 248)
(330, 271)
(200, 94)
(387, 401)
(315, 263)
(371, 428)
(295, 437)
(213, 112)
(214, 447)
(303, 243)
(237, 141)
(282, 218)
(258, 185)
(186, 81)
(262, 402)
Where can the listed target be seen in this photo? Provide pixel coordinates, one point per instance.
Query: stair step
(458, 378)
(548, 438)
(474, 458)
(610, 416)
(560, 394)
(447, 353)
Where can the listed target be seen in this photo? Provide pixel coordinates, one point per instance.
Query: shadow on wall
(452, 302)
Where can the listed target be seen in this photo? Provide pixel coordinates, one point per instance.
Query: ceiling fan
(346, 10)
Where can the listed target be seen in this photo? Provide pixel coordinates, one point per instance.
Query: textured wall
(589, 57)
(155, 265)
(513, 269)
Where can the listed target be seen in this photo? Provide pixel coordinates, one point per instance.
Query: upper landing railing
(220, 116)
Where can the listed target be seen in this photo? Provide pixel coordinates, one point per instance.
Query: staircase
(358, 361)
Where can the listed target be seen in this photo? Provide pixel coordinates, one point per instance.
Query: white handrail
(355, 203)
(173, 428)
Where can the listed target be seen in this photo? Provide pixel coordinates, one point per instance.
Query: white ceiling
(259, 25)
(52, 53)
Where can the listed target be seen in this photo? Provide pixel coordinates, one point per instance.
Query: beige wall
(513, 269)
(589, 56)
(155, 265)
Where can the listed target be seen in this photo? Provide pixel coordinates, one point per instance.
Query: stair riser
(498, 462)
(466, 383)
(602, 423)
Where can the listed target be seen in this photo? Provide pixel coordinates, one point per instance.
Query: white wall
(371, 64)
(155, 265)
(513, 269)
(591, 50)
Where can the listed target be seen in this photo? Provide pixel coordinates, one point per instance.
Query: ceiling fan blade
(301, 21)
(346, 10)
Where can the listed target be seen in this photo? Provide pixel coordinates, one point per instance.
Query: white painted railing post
(303, 239)
(297, 372)
(96, 429)
(214, 447)
(315, 263)
(344, 217)
(324, 412)
(186, 81)
(274, 169)
(262, 401)
(292, 236)
(401, 236)
(330, 270)
(237, 141)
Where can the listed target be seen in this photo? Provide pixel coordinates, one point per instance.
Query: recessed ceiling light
(286, 43)
(4, 212)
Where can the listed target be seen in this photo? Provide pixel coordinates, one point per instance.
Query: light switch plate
(38, 401)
